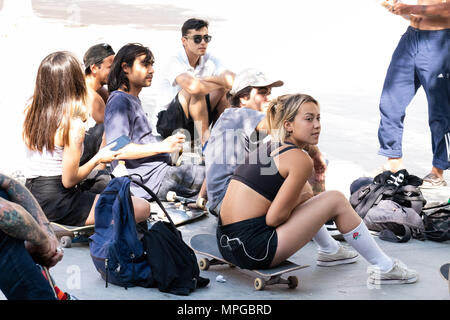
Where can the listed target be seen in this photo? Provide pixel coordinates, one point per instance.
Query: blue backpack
(116, 250)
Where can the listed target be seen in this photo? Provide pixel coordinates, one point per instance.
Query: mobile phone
(122, 141)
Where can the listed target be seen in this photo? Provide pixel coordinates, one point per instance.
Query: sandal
(431, 181)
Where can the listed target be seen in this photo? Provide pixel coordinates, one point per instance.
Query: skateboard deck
(179, 210)
(179, 213)
(444, 273)
(71, 234)
(444, 270)
(206, 244)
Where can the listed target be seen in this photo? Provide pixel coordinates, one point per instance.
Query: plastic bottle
(120, 170)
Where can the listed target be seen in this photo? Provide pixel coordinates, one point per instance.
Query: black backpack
(437, 222)
(173, 263)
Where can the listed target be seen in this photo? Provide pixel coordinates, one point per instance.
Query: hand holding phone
(121, 142)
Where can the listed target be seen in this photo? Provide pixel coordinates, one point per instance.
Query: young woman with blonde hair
(53, 133)
(281, 215)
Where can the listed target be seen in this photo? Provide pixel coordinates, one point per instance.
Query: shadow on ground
(146, 16)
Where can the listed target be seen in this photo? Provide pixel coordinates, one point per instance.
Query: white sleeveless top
(43, 164)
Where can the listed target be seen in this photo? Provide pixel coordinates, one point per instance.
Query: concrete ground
(76, 274)
(346, 77)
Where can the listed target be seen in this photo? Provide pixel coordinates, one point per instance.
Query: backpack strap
(390, 236)
(416, 195)
(155, 197)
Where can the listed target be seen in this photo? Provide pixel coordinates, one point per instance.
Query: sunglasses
(265, 91)
(198, 38)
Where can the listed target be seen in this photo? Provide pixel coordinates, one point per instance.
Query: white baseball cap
(252, 78)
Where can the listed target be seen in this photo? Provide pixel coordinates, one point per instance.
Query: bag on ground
(173, 263)
(437, 222)
(116, 251)
(391, 204)
(158, 257)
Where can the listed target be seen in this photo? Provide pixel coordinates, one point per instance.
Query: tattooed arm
(21, 195)
(17, 223)
(23, 218)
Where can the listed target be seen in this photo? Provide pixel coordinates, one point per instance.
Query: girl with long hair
(269, 211)
(53, 133)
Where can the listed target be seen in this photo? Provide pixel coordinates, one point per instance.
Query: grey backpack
(395, 222)
(391, 203)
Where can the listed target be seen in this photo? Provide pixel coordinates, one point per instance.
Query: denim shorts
(249, 244)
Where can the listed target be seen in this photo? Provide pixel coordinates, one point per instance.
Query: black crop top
(262, 176)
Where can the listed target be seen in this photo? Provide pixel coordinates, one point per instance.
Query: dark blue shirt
(124, 115)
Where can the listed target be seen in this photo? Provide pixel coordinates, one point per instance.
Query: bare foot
(438, 172)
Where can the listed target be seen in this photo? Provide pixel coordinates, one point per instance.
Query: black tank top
(260, 176)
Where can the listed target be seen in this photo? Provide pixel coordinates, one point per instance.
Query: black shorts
(174, 118)
(92, 142)
(249, 244)
(66, 206)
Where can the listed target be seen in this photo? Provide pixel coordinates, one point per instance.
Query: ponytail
(284, 108)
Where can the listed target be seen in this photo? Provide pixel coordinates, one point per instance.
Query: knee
(190, 96)
(141, 209)
(336, 197)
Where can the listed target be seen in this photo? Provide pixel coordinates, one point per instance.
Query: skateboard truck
(261, 283)
(172, 197)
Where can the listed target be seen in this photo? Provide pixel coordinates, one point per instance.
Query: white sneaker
(342, 256)
(399, 274)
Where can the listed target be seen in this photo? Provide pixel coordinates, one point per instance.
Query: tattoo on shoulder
(78, 136)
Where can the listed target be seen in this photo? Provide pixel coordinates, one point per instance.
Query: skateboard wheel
(66, 242)
(200, 203)
(259, 284)
(203, 264)
(293, 282)
(171, 196)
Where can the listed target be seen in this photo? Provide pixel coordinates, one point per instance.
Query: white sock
(325, 241)
(362, 241)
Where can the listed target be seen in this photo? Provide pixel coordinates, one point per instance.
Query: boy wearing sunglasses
(192, 90)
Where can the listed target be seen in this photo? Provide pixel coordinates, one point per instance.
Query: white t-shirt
(167, 86)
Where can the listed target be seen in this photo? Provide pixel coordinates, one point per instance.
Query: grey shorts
(186, 180)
